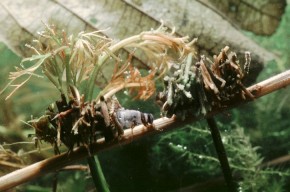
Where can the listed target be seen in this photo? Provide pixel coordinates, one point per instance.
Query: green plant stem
(97, 174)
(55, 181)
(222, 155)
(68, 74)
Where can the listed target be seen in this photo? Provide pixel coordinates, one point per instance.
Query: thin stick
(54, 163)
(75, 168)
(222, 155)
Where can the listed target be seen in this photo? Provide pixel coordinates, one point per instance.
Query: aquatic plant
(71, 63)
(74, 63)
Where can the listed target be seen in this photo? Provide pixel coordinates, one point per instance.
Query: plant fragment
(9, 161)
(193, 89)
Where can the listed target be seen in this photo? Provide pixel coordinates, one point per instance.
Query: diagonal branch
(38, 169)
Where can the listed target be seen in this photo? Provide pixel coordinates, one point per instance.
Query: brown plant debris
(193, 89)
(9, 161)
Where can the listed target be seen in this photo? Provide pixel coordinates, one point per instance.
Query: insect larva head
(149, 118)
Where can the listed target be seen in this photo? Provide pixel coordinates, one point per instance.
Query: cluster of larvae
(81, 123)
(194, 88)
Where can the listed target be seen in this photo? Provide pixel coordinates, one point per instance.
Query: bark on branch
(57, 162)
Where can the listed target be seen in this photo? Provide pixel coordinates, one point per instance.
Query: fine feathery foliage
(190, 151)
(68, 61)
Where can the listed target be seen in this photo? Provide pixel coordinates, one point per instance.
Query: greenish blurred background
(181, 160)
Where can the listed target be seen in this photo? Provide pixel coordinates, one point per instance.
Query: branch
(57, 162)
(75, 168)
(277, 161)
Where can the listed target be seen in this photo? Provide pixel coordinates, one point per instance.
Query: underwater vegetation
(71, 62)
